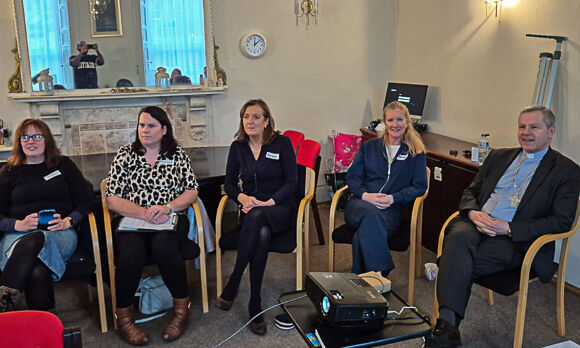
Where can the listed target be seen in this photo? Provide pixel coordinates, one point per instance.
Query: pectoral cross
(515, 199)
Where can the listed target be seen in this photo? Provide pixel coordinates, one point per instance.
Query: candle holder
(161, 78)
(45, 83)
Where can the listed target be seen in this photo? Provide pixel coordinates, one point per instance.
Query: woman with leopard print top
(149, 180)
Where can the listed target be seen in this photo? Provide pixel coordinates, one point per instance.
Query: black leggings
(25, 272)
(162, 248)
(253, 245)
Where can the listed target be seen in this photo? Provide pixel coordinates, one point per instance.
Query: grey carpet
(484, 326)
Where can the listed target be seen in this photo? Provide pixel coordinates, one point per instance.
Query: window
(173, 37)
(49, 39)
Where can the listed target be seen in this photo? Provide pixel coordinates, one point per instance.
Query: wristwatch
(169, 207)
(509, 232)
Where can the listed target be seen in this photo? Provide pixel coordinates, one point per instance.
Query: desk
(457, 172)
(306, 319)
(208, 163)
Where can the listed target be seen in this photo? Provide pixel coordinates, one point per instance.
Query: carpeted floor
(484, 326)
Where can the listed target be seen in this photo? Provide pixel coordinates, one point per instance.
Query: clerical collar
(536, 155)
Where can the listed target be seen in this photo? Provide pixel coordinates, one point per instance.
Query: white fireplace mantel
(99, 121)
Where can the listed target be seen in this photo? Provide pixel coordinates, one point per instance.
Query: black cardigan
(273, 175)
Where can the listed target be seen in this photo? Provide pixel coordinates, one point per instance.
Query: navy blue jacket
(274, 175)
(368, 173)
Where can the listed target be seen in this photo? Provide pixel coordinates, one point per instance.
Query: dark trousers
(373, 228)
(135, 249)
(469, 254)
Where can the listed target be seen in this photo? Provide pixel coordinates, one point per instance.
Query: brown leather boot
(180, 315)
(131, 333)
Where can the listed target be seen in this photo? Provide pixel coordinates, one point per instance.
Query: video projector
(345, 300)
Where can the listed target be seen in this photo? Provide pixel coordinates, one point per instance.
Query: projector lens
(325, 305)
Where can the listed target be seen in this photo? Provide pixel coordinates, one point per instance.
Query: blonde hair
(411, 137)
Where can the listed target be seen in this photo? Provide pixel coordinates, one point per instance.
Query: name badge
(274, 156)
(165, 162)
(52, 175)
(402, 157)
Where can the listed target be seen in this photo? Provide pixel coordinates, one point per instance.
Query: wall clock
(253, 44)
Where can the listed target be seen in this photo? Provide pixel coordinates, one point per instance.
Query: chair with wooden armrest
(185, 251)
(296, 239)
(308, 154)
(510, 281)
(344, 234)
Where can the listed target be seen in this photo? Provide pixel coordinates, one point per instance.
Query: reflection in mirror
(167, 33)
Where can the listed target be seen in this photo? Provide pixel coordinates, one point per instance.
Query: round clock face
(253, 45)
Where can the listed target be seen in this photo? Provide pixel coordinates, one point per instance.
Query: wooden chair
(510, 281)
(111, 257)
(282, 243)
(295, 137)
(86, 263)
(309, 155)
(343, 235)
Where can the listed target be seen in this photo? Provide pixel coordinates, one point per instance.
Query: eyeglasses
(35, 137)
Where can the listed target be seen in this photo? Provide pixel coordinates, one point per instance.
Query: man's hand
(487, 224)
(30, 222)
(96, 47)
(379, 200)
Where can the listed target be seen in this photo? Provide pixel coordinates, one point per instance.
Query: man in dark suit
(518, 195)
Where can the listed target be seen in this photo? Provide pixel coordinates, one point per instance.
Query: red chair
(296, 138)
(309, 156)
(36, 329)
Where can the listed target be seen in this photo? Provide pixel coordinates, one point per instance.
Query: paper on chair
(134, 224)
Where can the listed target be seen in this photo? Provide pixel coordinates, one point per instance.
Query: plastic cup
(430, 271)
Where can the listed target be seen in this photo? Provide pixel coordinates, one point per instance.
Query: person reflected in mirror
(38, 177)
(387, 174)
(85, 65)
(261, 175)
(174, 74)
(182, 80)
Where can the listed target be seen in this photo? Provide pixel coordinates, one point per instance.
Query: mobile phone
(44, 217)
(90, 46)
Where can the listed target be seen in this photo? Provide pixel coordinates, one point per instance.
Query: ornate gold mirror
(127, 33)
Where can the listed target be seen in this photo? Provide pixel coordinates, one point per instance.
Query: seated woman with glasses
(261, 174)
(37, 177)
(151, 179)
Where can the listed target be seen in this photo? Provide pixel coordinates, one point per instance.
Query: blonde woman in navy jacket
(387, 174)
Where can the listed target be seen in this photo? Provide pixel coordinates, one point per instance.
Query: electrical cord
(255, 316)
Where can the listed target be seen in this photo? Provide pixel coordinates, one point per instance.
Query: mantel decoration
(105, 18)
(15, 80)
(306, 9)
(161, 78)
(45, 83)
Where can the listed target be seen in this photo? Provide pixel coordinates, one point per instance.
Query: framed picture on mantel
(105, 18)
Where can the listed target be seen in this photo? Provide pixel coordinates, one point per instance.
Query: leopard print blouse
(132, 178)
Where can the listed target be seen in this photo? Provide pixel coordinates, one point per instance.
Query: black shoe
(444, 335)
(224, 304)
(259, 328)
(7, 296)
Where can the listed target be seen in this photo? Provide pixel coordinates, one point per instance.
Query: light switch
(438, 174)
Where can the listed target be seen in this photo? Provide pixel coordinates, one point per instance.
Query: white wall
(331, 76)
(483, 70)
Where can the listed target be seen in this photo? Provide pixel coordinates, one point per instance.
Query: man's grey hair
(547, 114)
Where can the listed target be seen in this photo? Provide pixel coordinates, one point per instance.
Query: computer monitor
(413, 96)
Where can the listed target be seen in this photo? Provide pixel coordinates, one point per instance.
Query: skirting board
(569, 287)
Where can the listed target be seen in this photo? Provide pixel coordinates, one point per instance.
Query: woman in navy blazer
(387, 174)
(261, 174)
